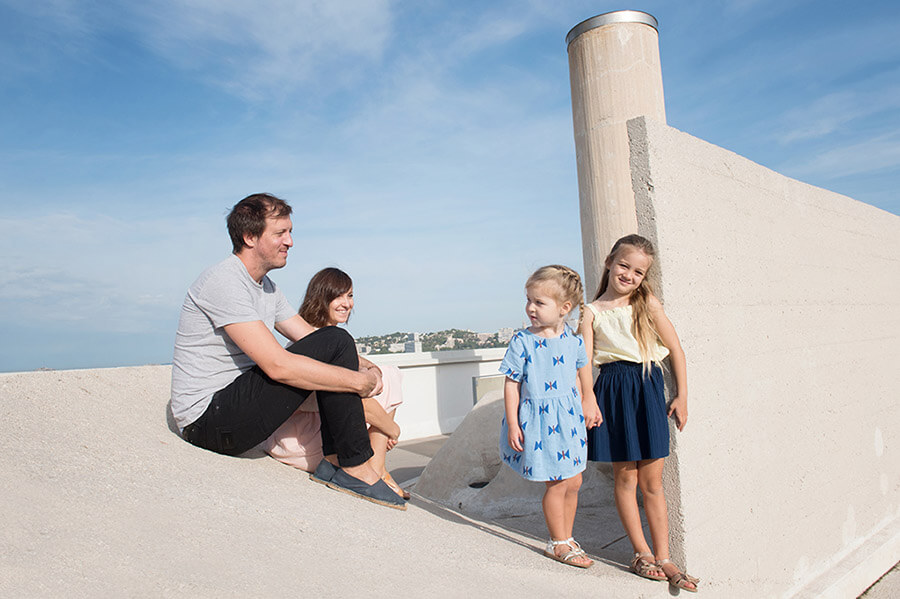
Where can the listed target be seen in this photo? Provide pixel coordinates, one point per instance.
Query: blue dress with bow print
(550, 416)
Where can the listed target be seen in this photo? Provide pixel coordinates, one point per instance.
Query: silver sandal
(568, 558)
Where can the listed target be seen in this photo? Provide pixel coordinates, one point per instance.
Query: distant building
(412, 344)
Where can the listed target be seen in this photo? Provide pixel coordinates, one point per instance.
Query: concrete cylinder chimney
(615, 75)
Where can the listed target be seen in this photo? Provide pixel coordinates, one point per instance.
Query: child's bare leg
(555, 515)
(650, 480)
(649, 476)
(626, 481)
(554, 504)
(571, 503)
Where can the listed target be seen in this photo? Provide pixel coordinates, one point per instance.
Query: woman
(298, 442)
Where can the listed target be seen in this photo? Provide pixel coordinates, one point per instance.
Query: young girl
(630, 334)
(543, 435)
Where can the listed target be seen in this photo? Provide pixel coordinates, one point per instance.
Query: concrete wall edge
(855, 572)
(642, 184)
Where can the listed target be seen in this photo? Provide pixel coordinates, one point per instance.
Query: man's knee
(333, 345)
(325, 337)
(336, 335)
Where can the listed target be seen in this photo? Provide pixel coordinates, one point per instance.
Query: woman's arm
(669, 338)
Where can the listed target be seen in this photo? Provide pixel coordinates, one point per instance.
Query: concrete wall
(787, 300)
(438, 387)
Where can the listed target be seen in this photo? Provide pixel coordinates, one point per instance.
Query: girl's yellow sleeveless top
(614, 340)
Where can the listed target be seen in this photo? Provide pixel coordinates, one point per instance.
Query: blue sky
(426, 146)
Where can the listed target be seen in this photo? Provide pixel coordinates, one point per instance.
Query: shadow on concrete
(523, 537)
(597, 526)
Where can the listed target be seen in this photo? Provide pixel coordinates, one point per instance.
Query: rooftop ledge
(101, 498)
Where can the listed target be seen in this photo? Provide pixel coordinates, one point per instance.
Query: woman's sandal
(643, 565)
(680, 579)
(570, 556)
(396, 488)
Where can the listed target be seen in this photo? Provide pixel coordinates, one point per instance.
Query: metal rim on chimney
(619, 16)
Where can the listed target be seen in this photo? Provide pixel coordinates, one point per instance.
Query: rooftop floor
(102, 499)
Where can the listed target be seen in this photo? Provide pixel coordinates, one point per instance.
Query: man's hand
(373, 378)
(365, 364)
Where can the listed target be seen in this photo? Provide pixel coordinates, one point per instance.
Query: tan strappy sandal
(680, 579)
(643, 565)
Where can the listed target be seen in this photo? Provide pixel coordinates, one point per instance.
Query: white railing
(439, 388)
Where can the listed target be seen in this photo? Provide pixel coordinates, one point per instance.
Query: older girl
(629, 334)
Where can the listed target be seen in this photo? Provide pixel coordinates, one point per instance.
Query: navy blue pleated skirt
(634, 415)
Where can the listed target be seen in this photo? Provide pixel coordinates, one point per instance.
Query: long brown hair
(323, 287)
(642, 323)
(568, 283)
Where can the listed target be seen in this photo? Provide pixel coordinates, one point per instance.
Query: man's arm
(294, 328)
(301, 372)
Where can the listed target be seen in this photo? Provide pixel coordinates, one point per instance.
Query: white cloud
(265, 49)
(870, 156)
(836, 111)
(260, 50)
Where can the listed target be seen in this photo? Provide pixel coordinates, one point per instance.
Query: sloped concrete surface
(887, 587)
(466, 475)
(100, 498)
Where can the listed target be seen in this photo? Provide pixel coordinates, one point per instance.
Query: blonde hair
(642, 327)
(567, 282)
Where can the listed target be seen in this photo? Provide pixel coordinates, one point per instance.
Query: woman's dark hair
(323, 287)
(248, 217)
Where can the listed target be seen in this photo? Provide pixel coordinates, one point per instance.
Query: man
(233, 383)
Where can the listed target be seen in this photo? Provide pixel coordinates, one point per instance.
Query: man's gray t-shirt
(205, 358)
